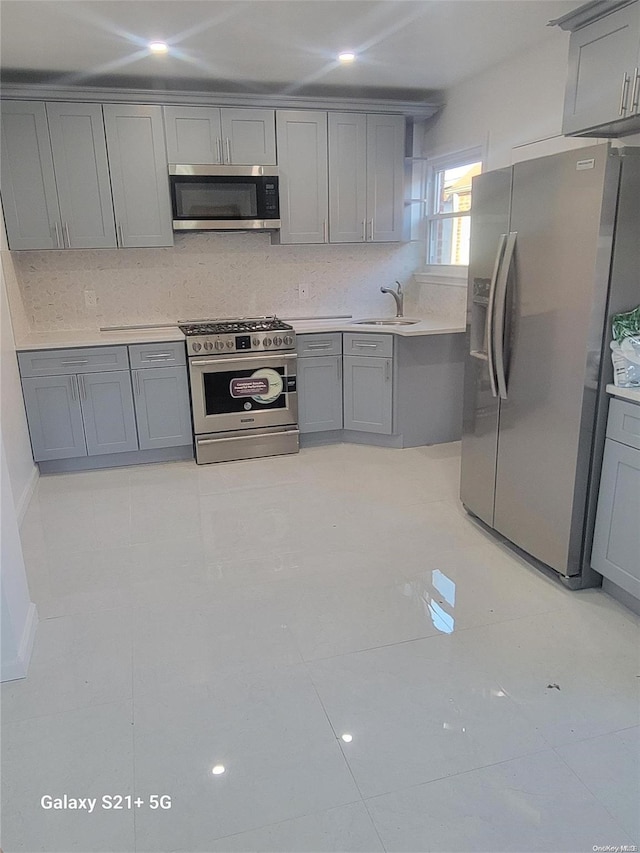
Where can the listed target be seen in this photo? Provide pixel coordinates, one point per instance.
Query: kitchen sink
(388, 321)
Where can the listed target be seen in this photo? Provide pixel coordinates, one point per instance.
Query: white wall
(21, 470)
(514, 109)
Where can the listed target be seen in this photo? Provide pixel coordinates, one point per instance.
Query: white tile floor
(371, 670)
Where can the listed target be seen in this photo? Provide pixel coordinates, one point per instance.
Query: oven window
(215, 199)
(225, 393)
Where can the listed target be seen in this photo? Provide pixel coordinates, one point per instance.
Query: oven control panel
(256, 342)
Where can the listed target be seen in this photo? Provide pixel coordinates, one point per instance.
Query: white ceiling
(406, 47)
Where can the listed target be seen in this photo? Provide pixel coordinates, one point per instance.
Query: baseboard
(17, 668)
(27, 493)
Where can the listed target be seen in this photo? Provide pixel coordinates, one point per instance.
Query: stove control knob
(277, 341)
(288, 340)
(229, 344)
(267, 342)
(255, 342)
(219, 345)
(196, 347)
(208, 346)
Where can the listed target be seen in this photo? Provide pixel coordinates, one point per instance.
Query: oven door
(243, 392)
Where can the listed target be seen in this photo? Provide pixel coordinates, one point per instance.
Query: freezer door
(563, 212)
(489, 227)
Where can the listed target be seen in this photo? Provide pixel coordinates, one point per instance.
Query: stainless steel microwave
(224, 197)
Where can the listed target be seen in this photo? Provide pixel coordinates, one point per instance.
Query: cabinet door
(139, 175)
(616, 540)
(107, 412)
(82, 175)
(368, 397)
(347, 177)
(54, 416)
(162, 407)
(29, 195)
(320, 393)
(193, 135)
(385, 177)
(602, 61)
(302, 161)
(249, 136)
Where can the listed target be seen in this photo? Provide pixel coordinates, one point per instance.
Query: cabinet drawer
(623, 424)
(157, 355)
(319, 344)
(62, 361)
(355, 343)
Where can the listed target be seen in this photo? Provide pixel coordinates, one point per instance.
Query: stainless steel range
(243, 387)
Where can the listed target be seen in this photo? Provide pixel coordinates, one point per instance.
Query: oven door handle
(244, 437)
(239, 359)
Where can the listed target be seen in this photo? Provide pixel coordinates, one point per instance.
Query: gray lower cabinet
(320, 393)
(107, 412)
(84, 414)
(161, 398)
(368, 394)
(616, 541)
(55, 417)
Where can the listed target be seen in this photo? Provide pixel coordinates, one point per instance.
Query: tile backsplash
(221, 275)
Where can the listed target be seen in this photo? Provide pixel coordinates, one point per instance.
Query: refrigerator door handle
(501, 307)
(490, 312)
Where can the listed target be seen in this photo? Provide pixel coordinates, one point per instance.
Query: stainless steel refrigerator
(555, 251)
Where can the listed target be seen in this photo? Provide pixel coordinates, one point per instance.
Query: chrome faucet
(398, 296)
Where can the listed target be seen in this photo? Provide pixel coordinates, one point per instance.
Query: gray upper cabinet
(385, 177)
(161, 397)
(107, 412)
(209, 135)
(54, 416)
(82, 175)
(29, 195)
(139, 175)
(302, 159)
(603, 81)
(348, 177)
(368, 394)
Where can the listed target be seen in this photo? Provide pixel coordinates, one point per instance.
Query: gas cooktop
(238, 334)
(233, 326)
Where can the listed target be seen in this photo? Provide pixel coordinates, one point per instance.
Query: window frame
(455, 272)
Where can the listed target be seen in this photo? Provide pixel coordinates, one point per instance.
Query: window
(449, 208)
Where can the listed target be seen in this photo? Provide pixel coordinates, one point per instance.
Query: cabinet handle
(228, 150)
(318, 346)
(83, 390)
(219, 149)
(58, 236)
(65, 227)
(371, 229)
(77, 361)
(159, 355)
(387, 371)
(339, 363)
(74, 389)
(371, 346)
(364, 230)
(136, 373)
(120, 236)
(635, 97)
(623, 95)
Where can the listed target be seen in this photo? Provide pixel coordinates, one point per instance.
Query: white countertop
(632, 394)
(423, 327)
(96, 338)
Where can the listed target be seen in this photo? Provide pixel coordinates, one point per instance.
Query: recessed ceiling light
(158, 47)
(346, 57)
(218, 769)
